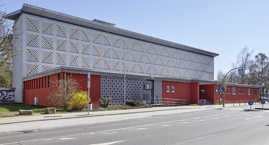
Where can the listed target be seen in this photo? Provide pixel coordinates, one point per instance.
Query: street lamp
(221, 88)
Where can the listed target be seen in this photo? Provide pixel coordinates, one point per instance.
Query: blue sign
(250, 102)
(220, 89)
(240, 70)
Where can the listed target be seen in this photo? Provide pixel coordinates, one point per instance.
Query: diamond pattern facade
(53, 43)
(45, 44)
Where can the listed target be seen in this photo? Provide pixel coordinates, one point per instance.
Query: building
(118, 63)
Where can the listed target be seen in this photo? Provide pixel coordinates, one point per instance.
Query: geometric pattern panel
(47, 42)
(32, 55)
(32, 40)
(74, 60)
(71, 45)
(101, 39)
(32, 69)
(114, 88)
(47, 28)
(86, 62)
(60, 59)
(61, 45)
(32, 25)
(74, 47)
(47, 57)
(86, 49)
(60, 31)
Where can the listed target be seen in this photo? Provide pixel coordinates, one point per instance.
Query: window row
(170, 89)
(43, 82)
(241, 91)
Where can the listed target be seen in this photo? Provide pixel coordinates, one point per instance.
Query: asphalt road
(208, 127)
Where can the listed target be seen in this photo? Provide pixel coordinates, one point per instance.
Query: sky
(224, 27)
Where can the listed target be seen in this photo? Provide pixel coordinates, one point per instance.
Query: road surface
(231, 126)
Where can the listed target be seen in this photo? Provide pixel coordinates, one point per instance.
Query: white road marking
(109, 143)
(66, 138)
(185, 122)
(166, 125)
(142, 128)
(109, 132)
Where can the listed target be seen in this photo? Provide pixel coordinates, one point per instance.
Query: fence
(170, 101)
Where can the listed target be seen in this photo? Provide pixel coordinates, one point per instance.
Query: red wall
(95, 90)
(185, 93)
(242, 97)
(209, 94)
(38, 87)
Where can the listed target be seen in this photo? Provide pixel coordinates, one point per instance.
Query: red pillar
(195, 92)
(95, 90)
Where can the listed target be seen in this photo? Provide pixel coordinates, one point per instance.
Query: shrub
(78, 101)
(61, 96)
(130, 103)
(105, 102)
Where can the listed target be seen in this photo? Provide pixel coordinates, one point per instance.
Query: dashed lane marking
(109, 143)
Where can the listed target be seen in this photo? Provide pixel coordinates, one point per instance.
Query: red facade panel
(180, 92)
(95, 90)
(41, 89)
(233, 94)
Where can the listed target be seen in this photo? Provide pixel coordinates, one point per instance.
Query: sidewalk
(21, 119)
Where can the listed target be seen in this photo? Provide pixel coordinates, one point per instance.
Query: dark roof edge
(215, 82)
(86, 71)
(38, 11)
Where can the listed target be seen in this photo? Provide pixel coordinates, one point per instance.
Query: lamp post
(221, 88)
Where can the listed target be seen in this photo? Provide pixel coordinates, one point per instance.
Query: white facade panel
(48, 44)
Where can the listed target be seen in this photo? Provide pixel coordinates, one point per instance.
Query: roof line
(50, 14)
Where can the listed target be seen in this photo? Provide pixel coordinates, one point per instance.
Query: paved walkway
(20, 119)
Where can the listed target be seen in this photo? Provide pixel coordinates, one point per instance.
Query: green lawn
(7, 115)
(17, 107)
(12, 109)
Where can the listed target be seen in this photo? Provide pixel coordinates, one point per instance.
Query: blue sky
(224, 27)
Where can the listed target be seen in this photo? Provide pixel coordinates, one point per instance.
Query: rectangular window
(234, 91)
(241, 91)
(167, 89)
(48, 81)
(45, 82)
(173, 89)
(228, 90)
(59, 79)
(249, 91)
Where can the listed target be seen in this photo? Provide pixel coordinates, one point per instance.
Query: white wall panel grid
(49, 44)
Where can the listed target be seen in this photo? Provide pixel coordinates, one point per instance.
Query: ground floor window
(234, 91)
(167, 89)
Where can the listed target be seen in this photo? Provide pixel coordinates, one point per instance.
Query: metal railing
(170, 101)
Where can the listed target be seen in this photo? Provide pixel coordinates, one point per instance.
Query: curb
(86, 115)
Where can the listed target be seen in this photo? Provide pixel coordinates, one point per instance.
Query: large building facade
(46, 41)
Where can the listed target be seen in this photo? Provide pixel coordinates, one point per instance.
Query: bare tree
(63, 92)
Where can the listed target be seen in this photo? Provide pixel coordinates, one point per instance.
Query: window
(228, 90)
(59, 79)
(254, 92)
(48, 81)
(173, 89)
(249, 92)
(234, 91)
(202, 91)
(241, 91)
(167, 89)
